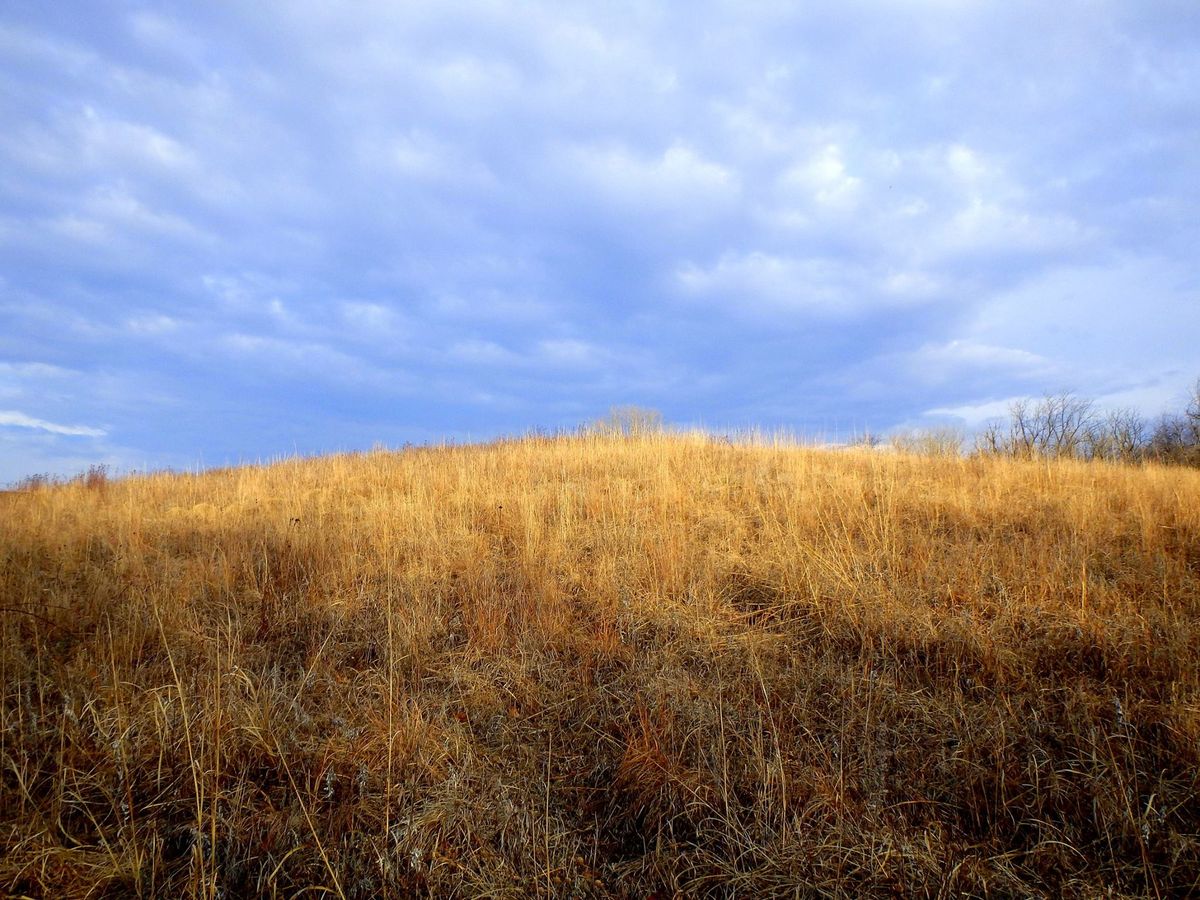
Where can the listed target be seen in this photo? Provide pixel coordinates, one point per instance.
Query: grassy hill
(601, 666)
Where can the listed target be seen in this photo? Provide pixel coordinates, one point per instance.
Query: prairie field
(604, 666)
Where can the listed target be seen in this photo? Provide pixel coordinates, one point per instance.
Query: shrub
(944, 441)
(95, 478)
(33, 482)
(630, 421)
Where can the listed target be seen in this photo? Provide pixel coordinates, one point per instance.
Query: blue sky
(233, 231)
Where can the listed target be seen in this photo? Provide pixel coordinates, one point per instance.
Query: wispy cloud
(12, 418)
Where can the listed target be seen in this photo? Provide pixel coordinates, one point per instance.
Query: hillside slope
(604, 667)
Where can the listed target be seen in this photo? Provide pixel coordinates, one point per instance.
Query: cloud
(571, 353)
(1114, 322)
(952, 357)
(762, 283)
(481, 352)
(758, 279)
(152, 324)
(972, 415)
(17, 419)
(912, 283)
(32, 370)
(375, 320)
(983, 228)
(677, 181)
(559, 353)
(112, 142)
(110, 214)
(394, 221)
(313, 361)
(824, 180)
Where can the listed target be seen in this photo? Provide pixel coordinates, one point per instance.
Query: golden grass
(595, 666)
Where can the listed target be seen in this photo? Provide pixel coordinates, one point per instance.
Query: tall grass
(604, 666)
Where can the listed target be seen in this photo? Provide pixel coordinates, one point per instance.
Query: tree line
(1058, 426)
(1066, 426)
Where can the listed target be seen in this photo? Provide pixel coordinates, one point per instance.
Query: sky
(237, 231)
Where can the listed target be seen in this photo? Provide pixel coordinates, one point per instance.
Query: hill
(603, 666)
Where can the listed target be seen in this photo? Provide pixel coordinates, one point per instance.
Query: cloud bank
(234, 232)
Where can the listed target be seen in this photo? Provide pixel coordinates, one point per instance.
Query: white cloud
(112, 213)
(975, 414)
(558, 353)
(825, 180)
(1150, 398)
(482, 352)
(569, 352)
(248, 292)
(469, 79)
(373, 319)
(967, 167)
(1098, 320)
(914, 284)
(313, 362)
(165, 35)
(678, 180)
(986, 227)
(757, 281)
(152, 324)
(109, 141)
(983, 354)
(27, 44)
(422, 156)
(309, 358)
(87, 142)
(419, 154)
(20, 420)
(33, 370)
(958, 357)
(490, 304)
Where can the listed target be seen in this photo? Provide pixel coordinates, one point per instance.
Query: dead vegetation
(604, 665)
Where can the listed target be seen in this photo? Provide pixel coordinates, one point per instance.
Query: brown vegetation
(604, 665)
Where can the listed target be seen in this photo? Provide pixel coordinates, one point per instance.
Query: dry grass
(595, 666)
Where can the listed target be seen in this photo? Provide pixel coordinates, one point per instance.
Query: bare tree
(1070, 425)
(1057, 426)
(1176, 436)
(1193, 408)
(868, 439)
(1121, 437)
(991, 440)
(1066, 426)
